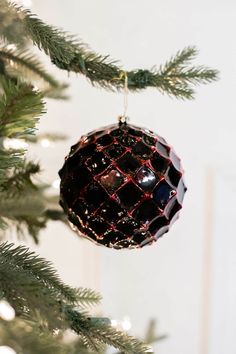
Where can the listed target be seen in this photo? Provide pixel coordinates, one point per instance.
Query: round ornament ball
(122, 186)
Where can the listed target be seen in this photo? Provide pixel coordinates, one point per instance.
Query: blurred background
(187, 280)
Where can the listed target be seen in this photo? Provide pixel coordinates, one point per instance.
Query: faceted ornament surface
(122, 186)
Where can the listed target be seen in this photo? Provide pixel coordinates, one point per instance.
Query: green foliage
(8, 159)
(31, 285)
(87, 297)
(25, 66)
(11, 28)
(95, 335)
(27, 212)
(55, 43)
(20, 178)
(151, 336)
(42, 276)
(25, 337)
(22, 203)
(176, 78)
(20, 108)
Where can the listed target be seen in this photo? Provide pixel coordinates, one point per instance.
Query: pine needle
(39, 268)
(20, 108)
(87, 297)
(31, 285)
(26, 337)
(25, 65)
(12, 28)
(177, 77)
(96, 335)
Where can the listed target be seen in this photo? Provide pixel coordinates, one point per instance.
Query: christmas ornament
(122, 186)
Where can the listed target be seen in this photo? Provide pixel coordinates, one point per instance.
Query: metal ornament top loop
(122, 120)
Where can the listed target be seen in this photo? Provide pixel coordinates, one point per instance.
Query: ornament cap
(123, 120)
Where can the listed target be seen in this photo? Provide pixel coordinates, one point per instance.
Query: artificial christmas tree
(44, 306)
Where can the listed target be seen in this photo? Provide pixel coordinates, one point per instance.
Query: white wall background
(187, 280)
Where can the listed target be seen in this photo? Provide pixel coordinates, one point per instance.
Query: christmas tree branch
(176, 78)
(27, 211)
(31, 285)
(25, 337)
(20, 107)
(24, 204)
(9, 159)
(23, 64)
(20, 178)
(177, 75)
(95, 334)
(87, 297)
(21, 260)
(151, 336)
(34, 290)
(12, 27)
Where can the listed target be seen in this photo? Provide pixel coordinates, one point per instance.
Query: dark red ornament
(122, 186)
